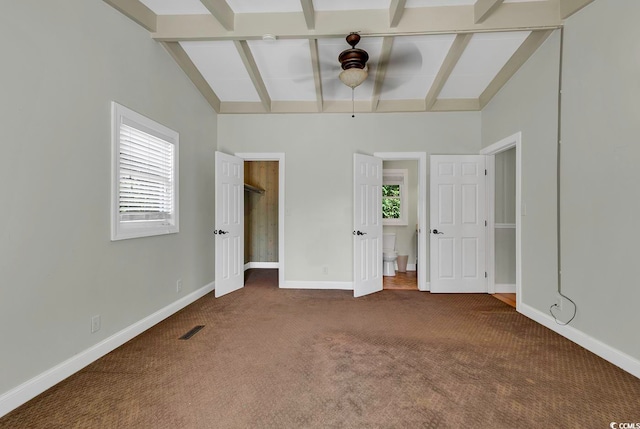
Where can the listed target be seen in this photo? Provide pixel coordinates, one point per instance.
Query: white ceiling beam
(456, 105)
(221, 12)
(381, 71)
(519, 57)
(242, 107)
(400, 106)
(294, 107)
(342, 106)
(427, 20)
(453, 56)
(317, 77)
(396, 9)
(136, 11)
(192, 72)
(483, 8)
(309, 13)
(254, 72)
(569, 7)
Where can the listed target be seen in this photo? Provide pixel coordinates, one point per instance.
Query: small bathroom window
(394, 206)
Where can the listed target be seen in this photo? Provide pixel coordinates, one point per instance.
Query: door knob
(219, 231)
(435, 231)
(361, 233)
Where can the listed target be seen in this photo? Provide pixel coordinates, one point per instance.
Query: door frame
(490, 151)
(421, 157)
(275, 156)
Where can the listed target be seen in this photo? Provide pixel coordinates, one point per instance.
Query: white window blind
(393, 179)
(145, 176)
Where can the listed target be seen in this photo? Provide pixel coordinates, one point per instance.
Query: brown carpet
(270, 358)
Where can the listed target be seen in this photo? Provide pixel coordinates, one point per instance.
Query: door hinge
(485, 171)
(485, 223)
(485, 274)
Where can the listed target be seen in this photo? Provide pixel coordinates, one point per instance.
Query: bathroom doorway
(400, 223)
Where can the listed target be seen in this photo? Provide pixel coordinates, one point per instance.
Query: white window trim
(124, 230)
(404, 217)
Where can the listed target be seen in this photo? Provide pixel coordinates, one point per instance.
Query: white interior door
(458, 227)
(229, 231)
(367, 225)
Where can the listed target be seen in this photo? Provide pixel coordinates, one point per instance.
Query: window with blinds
(144, 197)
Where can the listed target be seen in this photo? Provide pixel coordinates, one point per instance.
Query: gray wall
(599, 176)
(406, 235)
(64, 62)
(319, 171)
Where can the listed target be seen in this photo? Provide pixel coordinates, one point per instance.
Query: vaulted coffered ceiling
(425, 55)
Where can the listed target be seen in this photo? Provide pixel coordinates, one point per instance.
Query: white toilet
(389, 254)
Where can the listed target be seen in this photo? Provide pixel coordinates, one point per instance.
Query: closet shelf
(250, 188)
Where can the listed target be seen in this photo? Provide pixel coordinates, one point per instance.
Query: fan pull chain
(353, 103)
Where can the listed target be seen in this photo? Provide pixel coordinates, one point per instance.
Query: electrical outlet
(325, 269)
(179, 286)
(95, 323)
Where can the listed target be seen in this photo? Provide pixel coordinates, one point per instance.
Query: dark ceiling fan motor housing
(354, 57)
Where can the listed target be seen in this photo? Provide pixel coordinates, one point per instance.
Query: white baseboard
(504, 288)
(38, 384)
(295, 284)
(606, 352)
(250, 265)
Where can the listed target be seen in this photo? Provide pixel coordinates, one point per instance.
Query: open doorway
(414, 245)
(400, 224)
(264, 213)
(260, 215)
(505, 226)
(505, 208)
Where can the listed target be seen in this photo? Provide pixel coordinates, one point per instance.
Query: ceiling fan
(404, 61)
(353, 62)
(355, 70)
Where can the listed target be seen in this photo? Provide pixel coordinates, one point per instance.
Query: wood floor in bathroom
(409, 281)
(401, 281)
